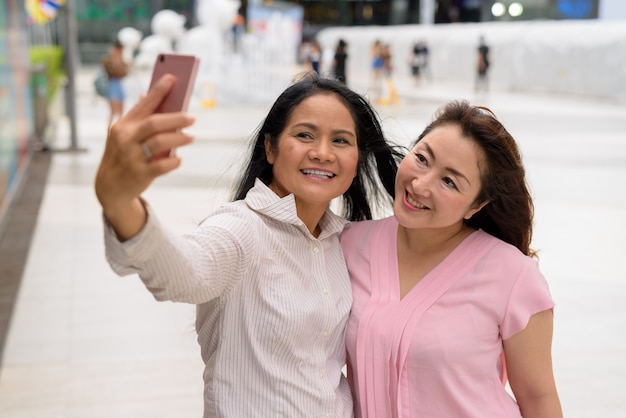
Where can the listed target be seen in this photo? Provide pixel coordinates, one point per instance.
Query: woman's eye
(304, 135)
(449, 182)
(341, 141)
(421, 159)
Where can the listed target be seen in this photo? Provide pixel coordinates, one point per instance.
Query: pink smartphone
(184, 68)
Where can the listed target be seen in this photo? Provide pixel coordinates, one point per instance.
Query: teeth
(318, 173)
(414, 203)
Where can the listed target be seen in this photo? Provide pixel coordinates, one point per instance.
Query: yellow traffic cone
(208, 100)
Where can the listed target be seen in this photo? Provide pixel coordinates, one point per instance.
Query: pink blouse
(437, 352)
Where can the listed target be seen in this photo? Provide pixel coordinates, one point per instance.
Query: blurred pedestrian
(314, 57)
(482, 66)
(377, 66)
(339, 61)
(238, 30)
(389, 93)
(419, 61)
(116, 69)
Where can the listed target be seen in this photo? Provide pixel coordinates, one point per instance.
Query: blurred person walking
(419, 61)
(377, 68)
(339, 61)
(314, 57)
(389, 93)
(482, 66)
(116, 69)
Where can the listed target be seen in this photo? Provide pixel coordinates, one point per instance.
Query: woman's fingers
(163, 122)
(151, 101)
(136, 152)
(160, 146)
(141, 122)
(130, 166)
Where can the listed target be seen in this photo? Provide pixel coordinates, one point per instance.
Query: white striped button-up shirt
(272, 304)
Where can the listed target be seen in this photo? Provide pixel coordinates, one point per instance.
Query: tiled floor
(16, 235)
(85, 343)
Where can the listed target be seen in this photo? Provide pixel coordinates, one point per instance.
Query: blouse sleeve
(529, 295)
(193, 268)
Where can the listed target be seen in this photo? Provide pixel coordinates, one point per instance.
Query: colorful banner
(42, 11)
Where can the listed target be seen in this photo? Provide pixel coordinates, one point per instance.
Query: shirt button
(325, 291)
(316, 249)
(322, 374)
(325, 333)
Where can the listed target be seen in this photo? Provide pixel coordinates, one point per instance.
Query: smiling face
(438, 181)
(316, 156)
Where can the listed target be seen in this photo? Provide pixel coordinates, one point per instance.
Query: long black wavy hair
(378, 159)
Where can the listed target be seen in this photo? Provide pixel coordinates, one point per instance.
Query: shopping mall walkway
(85, 343)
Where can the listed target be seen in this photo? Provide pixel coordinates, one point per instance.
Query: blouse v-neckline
(428, 280)
(401, 316)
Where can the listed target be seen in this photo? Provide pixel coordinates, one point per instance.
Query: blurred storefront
(16, 110)
(100, 20)
(399, 12)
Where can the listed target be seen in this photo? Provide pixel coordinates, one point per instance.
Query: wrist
(126, 219)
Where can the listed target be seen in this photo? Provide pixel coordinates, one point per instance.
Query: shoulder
(500, 248)
(234, 219)
(357, 235)
(235, 211)
(360, 229)
(506, 260)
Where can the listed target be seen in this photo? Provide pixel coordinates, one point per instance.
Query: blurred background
(76, 341)
(569, 46)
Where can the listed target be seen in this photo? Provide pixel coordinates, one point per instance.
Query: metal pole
(427, 12)
(70, 59)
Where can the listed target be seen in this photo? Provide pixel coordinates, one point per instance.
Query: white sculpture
(208, 40)
(168, 24)
(168, 27)
(131, 39)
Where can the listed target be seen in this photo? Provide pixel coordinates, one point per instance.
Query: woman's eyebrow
(450, 169)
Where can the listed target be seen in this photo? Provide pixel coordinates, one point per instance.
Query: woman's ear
(269, 153)
(475, 209)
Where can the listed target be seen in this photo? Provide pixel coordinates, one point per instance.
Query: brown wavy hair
(509, 213)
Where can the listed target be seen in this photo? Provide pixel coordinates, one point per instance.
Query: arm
(125, 170)
(529, 367)
(191, 268)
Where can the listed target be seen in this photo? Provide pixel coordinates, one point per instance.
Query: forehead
(323, 107)
(451, 146)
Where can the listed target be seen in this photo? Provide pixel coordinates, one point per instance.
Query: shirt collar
(262, 199)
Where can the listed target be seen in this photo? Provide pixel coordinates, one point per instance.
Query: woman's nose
(321, 151)
(422, 184)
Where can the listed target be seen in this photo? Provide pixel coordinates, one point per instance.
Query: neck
(310, 214)
(311, 217)
(424, 241)
(311, 220)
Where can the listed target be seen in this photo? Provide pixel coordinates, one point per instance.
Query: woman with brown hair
(448, 299)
